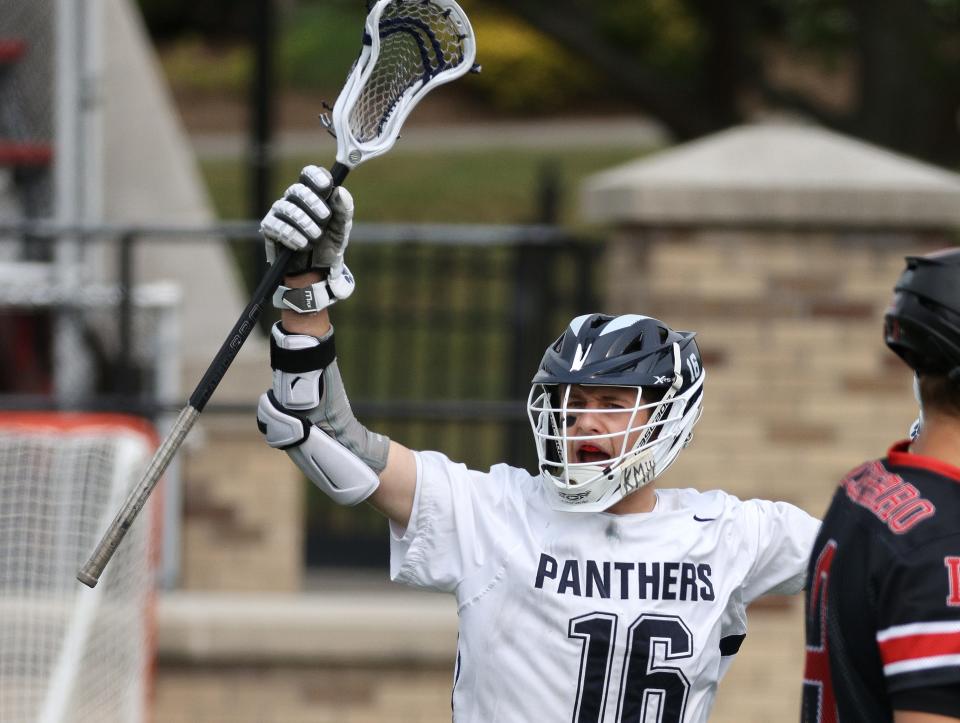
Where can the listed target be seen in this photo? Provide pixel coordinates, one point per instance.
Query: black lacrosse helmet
(629, 350)
(616, 351)
(922, 325)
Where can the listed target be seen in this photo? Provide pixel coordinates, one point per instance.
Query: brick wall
(800, 387)
(295, 694)
(384, 654)
(243, 512)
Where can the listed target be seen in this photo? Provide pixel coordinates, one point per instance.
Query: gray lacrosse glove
(318, 230)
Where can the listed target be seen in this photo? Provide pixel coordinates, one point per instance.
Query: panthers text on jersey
(883, 594)
(590, 617)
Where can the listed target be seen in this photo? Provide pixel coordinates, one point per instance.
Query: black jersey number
(649, 682)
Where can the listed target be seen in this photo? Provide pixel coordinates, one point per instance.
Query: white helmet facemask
(653, 435)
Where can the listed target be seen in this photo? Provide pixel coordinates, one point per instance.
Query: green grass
(449, 187)
(191, 65)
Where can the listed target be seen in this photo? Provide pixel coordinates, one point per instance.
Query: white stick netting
(69, 653)
(418, 40)
(410, 47)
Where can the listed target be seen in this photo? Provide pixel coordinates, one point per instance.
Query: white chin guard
(337, 471)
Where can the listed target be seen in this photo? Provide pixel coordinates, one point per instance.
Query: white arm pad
(338, 472)
(301, 390)
(307, 382)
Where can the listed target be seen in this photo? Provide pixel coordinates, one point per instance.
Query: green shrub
(524, 70)
(661, 33)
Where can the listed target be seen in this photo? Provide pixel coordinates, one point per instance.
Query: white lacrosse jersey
(590, 617)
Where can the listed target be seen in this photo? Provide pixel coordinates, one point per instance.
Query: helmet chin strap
(661, 409)
(565, 444)
(641, 470)
(918, 422)
(677, 368)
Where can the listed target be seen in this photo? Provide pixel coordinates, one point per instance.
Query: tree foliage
(524, 71)
(219, 19)
(702, 65)
(883, 70)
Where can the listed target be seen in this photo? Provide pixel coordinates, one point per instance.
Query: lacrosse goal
(69, 653)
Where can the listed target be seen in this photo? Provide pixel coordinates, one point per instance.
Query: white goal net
(69, 653)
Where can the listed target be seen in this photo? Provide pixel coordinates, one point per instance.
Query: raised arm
(307, 412)
(393, 497)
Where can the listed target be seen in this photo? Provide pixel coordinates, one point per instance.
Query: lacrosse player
(883, 592)
(585, 593)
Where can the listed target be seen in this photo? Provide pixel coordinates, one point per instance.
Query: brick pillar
(779, 246)
(243, 513)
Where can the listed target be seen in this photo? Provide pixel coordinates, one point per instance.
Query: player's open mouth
(591, 454)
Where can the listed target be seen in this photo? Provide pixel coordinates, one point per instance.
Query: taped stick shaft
(90, 573)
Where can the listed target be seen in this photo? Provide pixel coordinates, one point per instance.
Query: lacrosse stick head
(409, 48)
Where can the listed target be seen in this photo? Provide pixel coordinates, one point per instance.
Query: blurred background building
(754, 171)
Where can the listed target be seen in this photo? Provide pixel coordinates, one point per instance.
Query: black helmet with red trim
(922, 325)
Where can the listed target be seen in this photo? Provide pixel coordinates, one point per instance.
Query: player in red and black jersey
(883, 584)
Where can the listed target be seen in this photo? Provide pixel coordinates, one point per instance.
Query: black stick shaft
(248, 319)
(90, 573)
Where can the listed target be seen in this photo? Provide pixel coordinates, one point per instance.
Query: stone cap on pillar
(775, 175)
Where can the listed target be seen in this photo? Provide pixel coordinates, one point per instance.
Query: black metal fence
(437, 346)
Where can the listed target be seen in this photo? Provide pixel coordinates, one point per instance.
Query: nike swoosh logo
(704, 519)
(294, 383)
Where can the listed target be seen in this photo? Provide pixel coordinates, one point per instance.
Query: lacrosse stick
(409, 48)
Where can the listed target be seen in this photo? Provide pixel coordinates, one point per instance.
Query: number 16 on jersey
(648, 682)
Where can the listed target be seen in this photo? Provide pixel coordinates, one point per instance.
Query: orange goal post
(68, 652)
